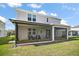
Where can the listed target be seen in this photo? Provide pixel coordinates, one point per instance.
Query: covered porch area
(27, 32)
(31, 32)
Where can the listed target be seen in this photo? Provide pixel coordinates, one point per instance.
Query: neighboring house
(31, 26)
(2, 29)
(74, 31)
(10, 32)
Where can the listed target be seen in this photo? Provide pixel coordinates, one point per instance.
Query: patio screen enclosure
(60, 33)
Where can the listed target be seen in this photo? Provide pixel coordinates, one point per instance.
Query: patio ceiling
(36, 23)
(28, 22)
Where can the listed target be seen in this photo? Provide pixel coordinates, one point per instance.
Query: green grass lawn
(68, 48)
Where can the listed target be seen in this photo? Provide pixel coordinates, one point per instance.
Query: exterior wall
(21, 15)
(23, 31)
(43, 19)
(2, 29)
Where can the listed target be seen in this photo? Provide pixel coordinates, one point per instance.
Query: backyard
(66, 48)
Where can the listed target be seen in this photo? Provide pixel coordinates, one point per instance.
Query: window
(47, 19)
(29, 17)
(29, 30)
(34, 31)
(34, 17)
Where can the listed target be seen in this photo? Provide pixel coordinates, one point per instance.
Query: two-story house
(37, 27)
(2, 29)
(74, 31)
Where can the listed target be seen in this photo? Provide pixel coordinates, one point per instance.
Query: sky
(68, 12)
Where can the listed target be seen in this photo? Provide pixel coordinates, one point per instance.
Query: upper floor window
(34, 17)
(47, 19)
(29, 17)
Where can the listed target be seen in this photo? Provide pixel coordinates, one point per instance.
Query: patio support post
(52, 33)
(16, 29)
(67, 33)
(71, 33)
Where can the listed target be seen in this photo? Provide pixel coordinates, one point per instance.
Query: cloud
(14, 4)
(35, 5)
(68, 7)
(42, 12)
(73, 9)
(64, 22)
(76, 13)
(2, 5)
(11, 3)
(54, 14)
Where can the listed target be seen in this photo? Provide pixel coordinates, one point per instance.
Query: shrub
(74, 38)
(4, 40)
